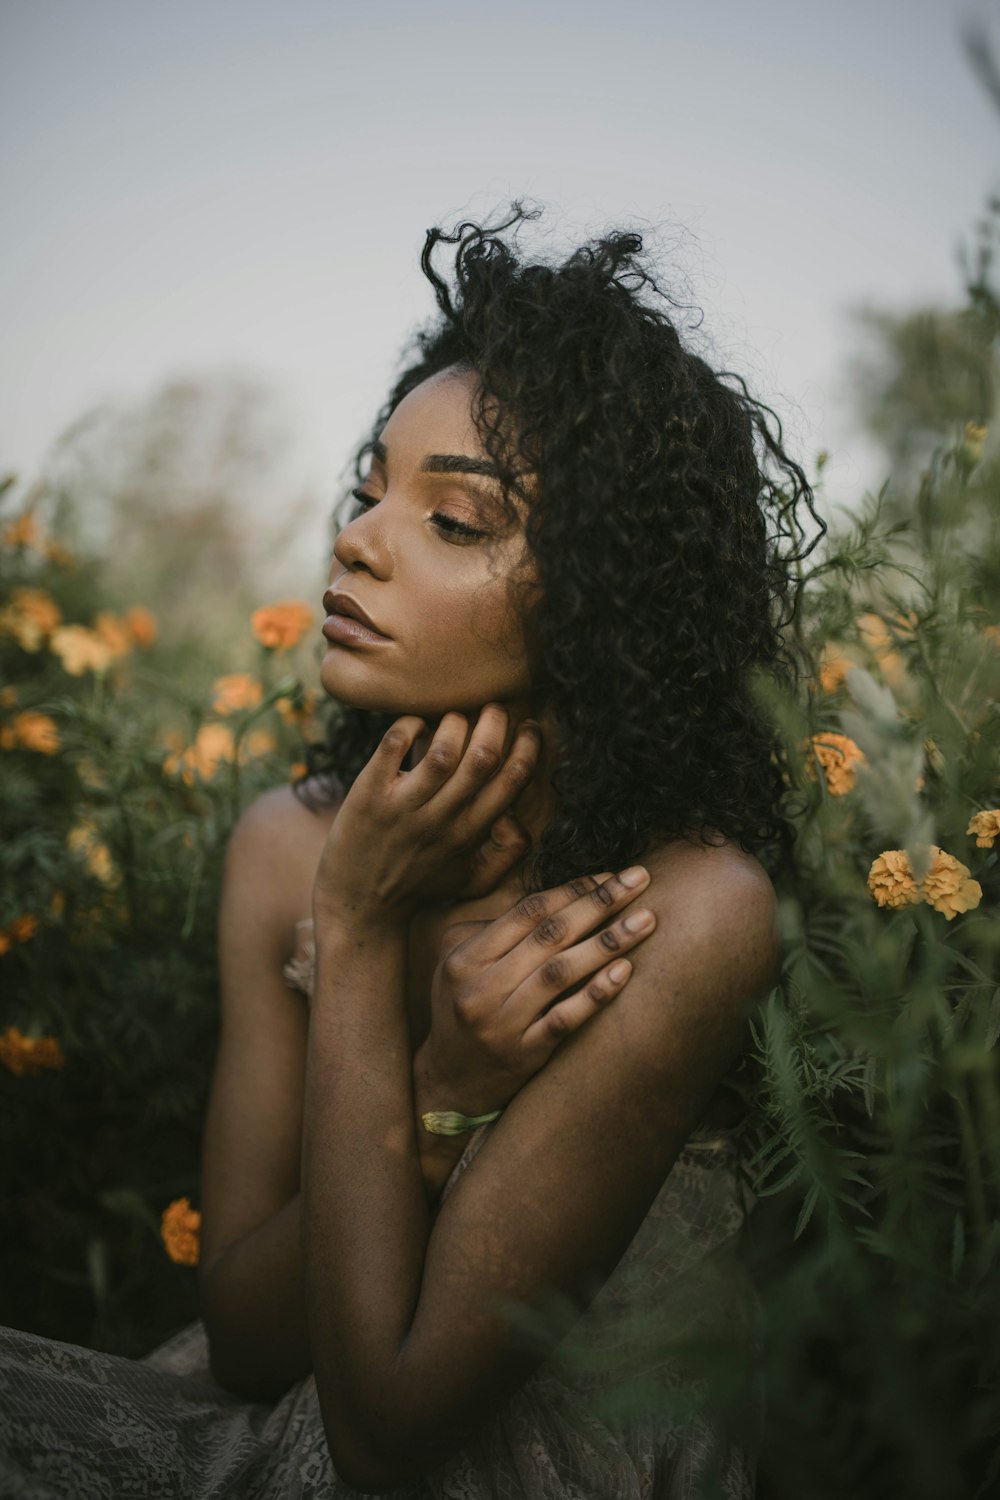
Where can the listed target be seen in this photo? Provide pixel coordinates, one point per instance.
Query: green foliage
(112, 848)
(876, 1237)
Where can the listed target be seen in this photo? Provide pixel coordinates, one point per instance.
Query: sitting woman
(482, 1172)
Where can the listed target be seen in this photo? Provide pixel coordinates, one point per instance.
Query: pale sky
(207, 185)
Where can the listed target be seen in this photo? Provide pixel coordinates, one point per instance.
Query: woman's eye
(447, 524)
(456, 528)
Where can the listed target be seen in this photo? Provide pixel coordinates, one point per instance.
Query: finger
(512, 774)
(440, 760)
(565, 970)
(488, 780)
(544, 922)
(393, 748)
(498, 935)
(569, 1015)
(508, 842)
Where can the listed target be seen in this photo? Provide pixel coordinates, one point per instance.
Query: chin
(351, 683)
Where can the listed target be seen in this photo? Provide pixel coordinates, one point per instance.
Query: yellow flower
(840, 757)
(237, 691)
(26, 1055)
(180, 1228)
(85, 842)
(891, 881)
(141, 625)
(113, 632)
(948, 886)
(986, 827)
(281, 626)
(32, 731)
(297, 770)
(213, 746)
(81, 650)
(30, 616)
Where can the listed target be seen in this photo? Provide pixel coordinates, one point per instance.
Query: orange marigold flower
(23, 531)
(991, 634)
(281, 626)
(33, 731)
(879, 639)
(28, 1055)
(180, 1228)
(141, 625)
(258, 743)
(213, 747)
(22, 928)
(840, 757)
(297, 770)
(986, 827)
(299, 710)
(5, 943)
(833, 669)
(948, 886)
(30, 616)
(113, 632)
(85, 842)
(81, 650)
(891, 881)
(235, 692)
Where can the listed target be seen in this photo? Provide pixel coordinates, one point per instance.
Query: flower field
(875, 1242)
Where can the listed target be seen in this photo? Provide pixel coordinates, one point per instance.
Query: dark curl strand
(665, 550)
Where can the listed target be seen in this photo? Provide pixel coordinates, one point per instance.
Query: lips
(336, 603)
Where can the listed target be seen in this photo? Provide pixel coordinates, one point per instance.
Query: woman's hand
(507, 992)
(402, 838)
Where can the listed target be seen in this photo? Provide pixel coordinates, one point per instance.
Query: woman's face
(430, 562)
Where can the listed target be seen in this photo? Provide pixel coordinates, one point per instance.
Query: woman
(524, 899)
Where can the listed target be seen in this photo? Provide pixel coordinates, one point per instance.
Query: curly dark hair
(665, 551)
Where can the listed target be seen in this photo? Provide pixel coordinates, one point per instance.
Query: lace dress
(612, 1414)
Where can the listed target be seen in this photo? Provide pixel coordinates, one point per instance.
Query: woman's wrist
(435, 1090)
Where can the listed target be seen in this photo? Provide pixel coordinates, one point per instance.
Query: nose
(363, 545)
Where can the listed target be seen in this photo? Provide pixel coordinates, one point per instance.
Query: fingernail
(619, 971)
(637, 921)
(633, 876)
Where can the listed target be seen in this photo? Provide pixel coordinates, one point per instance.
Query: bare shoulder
(273, 853)
(716, 904)
(281, 822)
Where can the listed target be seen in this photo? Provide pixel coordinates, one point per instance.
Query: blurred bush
(124, 762)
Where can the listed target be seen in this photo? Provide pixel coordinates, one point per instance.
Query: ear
(507, 843)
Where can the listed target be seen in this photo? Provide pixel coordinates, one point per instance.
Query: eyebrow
(446, 463)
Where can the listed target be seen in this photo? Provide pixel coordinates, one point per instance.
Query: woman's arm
(409, 1352)
(250, 1271)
